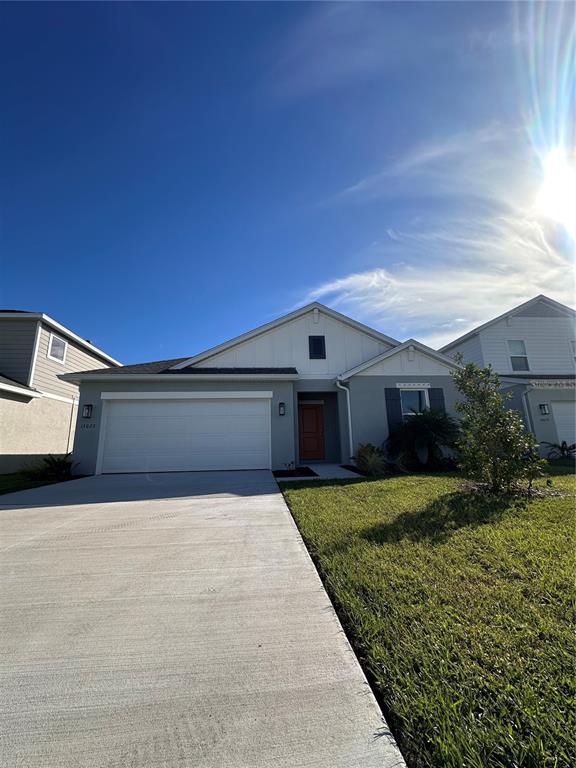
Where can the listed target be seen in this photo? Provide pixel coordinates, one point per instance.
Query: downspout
(348, 413)
(71, 424)
(527, 413)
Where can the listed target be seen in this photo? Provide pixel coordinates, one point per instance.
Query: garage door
(565, 420)
(182, 435)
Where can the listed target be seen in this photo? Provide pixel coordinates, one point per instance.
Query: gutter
(339, 384)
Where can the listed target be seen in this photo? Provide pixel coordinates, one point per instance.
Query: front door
(311, 431)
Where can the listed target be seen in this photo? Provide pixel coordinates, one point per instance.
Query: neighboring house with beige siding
(37, 409)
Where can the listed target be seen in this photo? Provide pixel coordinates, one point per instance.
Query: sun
(556, 199)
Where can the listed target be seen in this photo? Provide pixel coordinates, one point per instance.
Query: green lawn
(459, 608)
(17, 481)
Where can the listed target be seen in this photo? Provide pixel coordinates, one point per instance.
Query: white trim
(315, 305)
(20, 390)
(421, 388)
(62, 329)
(412, 385)
(101, 433)
(34, 353)
(438, 356)
(62, 399)
(185, 395)
(48, 351)
(506, 315)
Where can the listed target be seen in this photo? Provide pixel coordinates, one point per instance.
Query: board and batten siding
(549, 344)
(287, 345)
(46, 371)
(16, 348)
(407, 362)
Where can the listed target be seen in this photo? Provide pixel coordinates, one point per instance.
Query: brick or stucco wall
(30, 429)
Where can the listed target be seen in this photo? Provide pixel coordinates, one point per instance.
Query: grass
(17, 481)
(459, 608)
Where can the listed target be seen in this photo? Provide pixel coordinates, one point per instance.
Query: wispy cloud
(483, 250)
(336, 43)
(462, 238)
(443, 282)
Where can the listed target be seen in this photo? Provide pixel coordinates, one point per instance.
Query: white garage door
(182, 435)
(565, 419)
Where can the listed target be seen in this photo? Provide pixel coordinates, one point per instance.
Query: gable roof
(47, 320)
(391, 352)
(282, 321)
(511, 312)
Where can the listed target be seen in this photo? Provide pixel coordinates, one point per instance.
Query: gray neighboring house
(305, 388)
(37, 408)
(533, 349)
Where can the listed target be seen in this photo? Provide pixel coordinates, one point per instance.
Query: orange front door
(311, 430)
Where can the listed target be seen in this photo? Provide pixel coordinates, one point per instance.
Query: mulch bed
(296, 472)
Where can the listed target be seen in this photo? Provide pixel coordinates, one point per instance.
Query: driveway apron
(152, 621)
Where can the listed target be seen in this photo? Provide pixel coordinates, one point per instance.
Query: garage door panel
(184, 435)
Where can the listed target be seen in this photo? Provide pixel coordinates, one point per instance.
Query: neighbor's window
(413, 401)
(57, 348)
(317, 347)
(518, 357)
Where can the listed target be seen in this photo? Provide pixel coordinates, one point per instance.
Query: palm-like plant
(560, 450)
(420, 441)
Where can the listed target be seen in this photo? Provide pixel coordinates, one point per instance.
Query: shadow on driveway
(103, 489)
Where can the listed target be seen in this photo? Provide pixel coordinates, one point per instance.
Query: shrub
(560, 450)
(494, 447)
(371, 460)
(55, 468)
(419, 442)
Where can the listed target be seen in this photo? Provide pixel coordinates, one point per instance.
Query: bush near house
(422, 441)
(494, 449)
(459, 606)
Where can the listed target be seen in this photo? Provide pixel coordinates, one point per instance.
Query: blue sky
(175, 174)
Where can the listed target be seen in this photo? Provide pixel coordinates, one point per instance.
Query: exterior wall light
(544, 409)
(281, 409)
(86, 411)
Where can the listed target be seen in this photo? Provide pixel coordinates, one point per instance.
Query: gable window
(413, 401)
(317, 347)
(518, 358)
(57, 348)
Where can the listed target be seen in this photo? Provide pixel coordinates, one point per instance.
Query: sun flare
(557, 196)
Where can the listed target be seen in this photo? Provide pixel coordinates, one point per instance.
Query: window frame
(49, 354)
(414, 389)
(513, 357)
(321, 356)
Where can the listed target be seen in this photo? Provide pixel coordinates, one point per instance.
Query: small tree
(493, 447)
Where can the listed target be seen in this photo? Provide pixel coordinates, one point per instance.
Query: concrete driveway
(173, 620)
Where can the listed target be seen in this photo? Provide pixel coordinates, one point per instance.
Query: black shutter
(393, 408)
(436, 395)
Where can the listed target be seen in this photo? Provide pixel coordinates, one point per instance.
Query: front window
(413, 401)
(57, 348)
(518, 357)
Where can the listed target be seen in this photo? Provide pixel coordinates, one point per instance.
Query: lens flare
(548, 72)
(556, 199)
